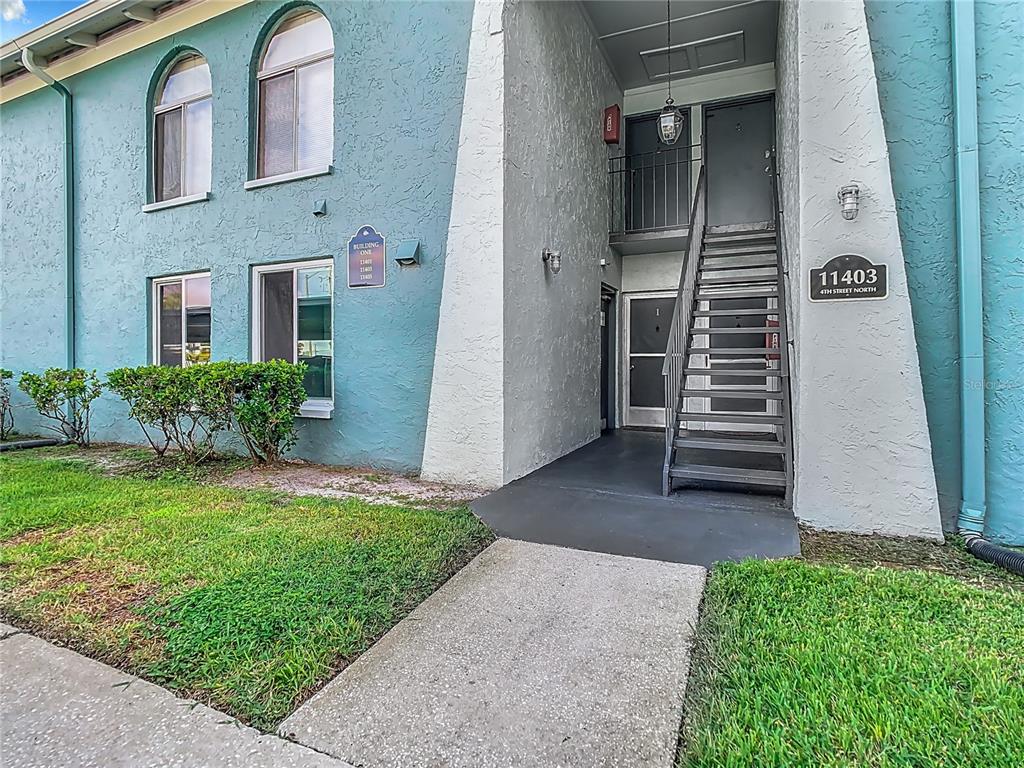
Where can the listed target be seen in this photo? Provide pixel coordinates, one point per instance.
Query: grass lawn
(246, 600)
(817, 663)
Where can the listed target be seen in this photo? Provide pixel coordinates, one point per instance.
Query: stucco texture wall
(910, 44)
(399, 76)
(863, 447)
(31, 244)
(787, 154)
(556, 86)
(912, 48)
(1000, 41)
(465, 427)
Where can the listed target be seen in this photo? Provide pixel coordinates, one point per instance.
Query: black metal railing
(682, 317)
(650, 190)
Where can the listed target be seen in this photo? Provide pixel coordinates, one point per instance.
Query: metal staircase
(726, 366)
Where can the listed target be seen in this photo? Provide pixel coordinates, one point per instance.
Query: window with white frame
(181, 320)
(295, 82)
(183, 131)
(293, 321)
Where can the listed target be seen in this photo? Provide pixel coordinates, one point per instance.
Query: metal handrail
(682, 316)
(641, 187)
(784, 346)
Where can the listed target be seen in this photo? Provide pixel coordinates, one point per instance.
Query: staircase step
(758, 372)
(737, 280)
(728, 474)
(722, 253)
(743, 236)
(735, 394)
(738, 262)
(730, 418)
(733, 312)
(706, 331)
(755, 292)
(730, 444)
(732, 351)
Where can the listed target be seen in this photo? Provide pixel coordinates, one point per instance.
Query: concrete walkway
(58, 708)
(532, 655)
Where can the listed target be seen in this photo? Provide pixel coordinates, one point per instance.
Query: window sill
(281, 178)
(200, 197)
(317, 409)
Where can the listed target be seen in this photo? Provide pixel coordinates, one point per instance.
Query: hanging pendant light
(670, 121)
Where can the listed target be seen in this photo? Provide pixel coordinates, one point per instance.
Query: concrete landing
(606, 497)
(59, 708)
(532, 655)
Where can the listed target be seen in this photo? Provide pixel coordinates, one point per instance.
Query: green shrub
(64, 396)
(267, 400)
(188, 407)
(6, 411)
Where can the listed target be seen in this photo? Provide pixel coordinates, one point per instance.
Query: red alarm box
(612, 121)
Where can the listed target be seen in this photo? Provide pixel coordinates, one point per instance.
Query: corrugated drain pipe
(29, 61)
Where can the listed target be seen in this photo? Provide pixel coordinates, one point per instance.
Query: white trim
(199, 197)
(631, 415)
(281, 178)
(293, 67)
(313, 408)
(154, 333)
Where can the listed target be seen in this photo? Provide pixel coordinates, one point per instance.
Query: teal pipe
(28, 60)
(968, 248)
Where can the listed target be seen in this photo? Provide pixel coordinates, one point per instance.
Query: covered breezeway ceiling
(707, 36)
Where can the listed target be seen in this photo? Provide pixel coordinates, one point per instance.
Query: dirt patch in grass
(373, 486)
(99, 594)
(948, 558)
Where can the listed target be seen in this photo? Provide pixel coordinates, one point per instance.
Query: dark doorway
(607, 358)
(736, 137)
(657, 176)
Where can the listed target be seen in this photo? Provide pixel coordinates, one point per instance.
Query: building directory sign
(366, 259)
(849, 277)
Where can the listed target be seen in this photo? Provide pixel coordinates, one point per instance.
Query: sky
(19, 16)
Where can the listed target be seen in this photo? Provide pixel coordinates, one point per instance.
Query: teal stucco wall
(399, 80)
(911, 47)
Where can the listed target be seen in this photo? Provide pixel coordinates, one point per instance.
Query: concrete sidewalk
(58, 708)
(532, 655)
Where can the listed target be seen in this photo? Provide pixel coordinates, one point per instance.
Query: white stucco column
(465, 423)
(863, 460)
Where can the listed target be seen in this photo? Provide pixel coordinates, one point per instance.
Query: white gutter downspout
(28, 60)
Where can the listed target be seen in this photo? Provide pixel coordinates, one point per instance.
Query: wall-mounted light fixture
(408, 253)
(849, 198)
(553, 260)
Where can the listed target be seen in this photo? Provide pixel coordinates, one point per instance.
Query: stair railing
(682, 315)
(784, 345)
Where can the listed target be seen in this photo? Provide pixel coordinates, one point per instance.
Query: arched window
(295, 131)
(183, 130)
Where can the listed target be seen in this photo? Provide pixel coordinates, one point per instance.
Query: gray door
(735, 140)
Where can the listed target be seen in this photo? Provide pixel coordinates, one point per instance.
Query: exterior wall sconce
(408, 253)
(553, 260)
(849, 198)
